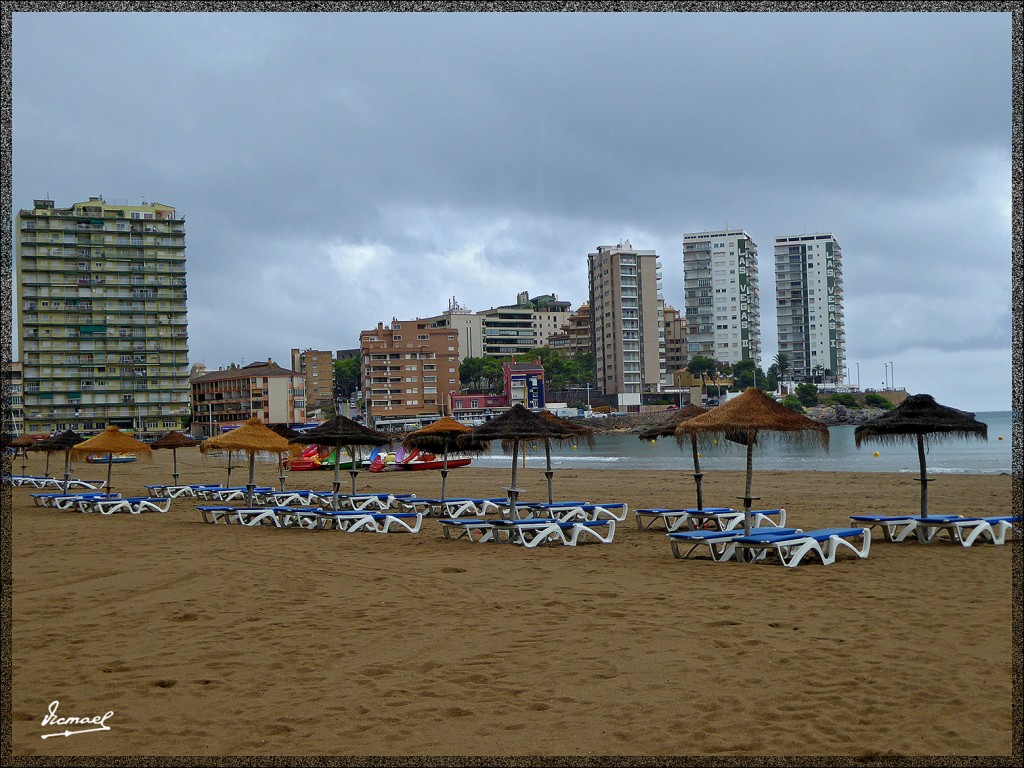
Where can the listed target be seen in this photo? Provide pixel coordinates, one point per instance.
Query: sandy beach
(226, 640)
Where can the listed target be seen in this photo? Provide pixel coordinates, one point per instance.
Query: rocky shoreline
(831, 415)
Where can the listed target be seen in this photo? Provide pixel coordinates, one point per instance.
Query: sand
(225, 640)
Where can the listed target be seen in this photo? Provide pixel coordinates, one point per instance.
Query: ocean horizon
(627, 451)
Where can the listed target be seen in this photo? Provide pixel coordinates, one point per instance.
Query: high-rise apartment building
(723, 311)
(409, 370)
(809, 301)
(101, 316)
(14, 411)
(318, 367)
(625, 288)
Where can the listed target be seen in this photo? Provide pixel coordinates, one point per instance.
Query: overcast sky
(336, 170)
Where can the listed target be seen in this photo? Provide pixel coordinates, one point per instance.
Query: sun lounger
(134, 505)
(483, 530)
(617, 511)
(893, 527)
(174, 491)
(381, 501)
(216, 514)
(454, 508)
(35, 482)
(670, 519)
(965, 531)
(374, 522)
(602, 531)
(299, 517)
(726, 519)
(791, 549)
(297, 498)
(529, 532)
(233, 494)
(719, 543)
(67, 500)
(556, 510)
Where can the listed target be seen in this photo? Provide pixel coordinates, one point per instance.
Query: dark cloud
(385, 162)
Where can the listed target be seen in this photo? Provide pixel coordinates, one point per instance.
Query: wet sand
(225, 640)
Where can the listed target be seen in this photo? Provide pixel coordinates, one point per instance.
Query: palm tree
(783, 364)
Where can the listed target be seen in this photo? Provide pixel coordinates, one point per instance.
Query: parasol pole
(697, 474)
(549, 472)
(110, 467)
(337, 473)
(513, 492)
(228, 483)
(353, 471)
(280, 466)
(252, 483)
(444, 467)
(923, 479)
(24, 458)
(67, 471)
(46, 472)
(174, 474)
(750, 473)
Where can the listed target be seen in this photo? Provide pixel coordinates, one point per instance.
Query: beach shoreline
(225, 640)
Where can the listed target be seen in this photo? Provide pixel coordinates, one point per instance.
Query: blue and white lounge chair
(474, 529)
(893, 527)
(133, 505)
(529, 532)
(965, 531)
(602, 531)
(790, 550)
(719, 543)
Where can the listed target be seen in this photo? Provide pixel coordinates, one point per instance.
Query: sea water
(627, 451)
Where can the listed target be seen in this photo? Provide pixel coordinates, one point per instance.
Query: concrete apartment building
(627, 338)
(512, 329)
(809, 304)
(574, 334)
(410, 370)
(723, 311)
(676, 356)
(317, 366)
(101, 316)
(14, 411)
(226, 398)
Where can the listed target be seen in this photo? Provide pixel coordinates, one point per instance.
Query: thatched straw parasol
(110, 441)
(22, 443)
(342, 432)
(251, 438)
(64, 441)
(174, 440)
(515, 426)
(745, 418)
(668, 427)
(913, 419)
(444, 435)
(287, 433)
(574, 432)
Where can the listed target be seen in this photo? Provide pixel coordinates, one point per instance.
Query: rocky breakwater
(840, 415)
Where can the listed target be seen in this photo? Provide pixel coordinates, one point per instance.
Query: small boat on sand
(112, 458)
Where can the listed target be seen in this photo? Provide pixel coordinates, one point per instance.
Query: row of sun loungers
(19, 481)
(719, 534)
(103, 503)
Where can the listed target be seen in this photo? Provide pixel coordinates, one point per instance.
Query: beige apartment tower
(317, 366)
(101, 316)
(626, 322)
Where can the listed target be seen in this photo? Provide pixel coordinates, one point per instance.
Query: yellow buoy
(875, 454)
(574, 447)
